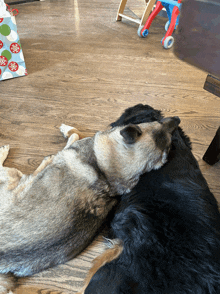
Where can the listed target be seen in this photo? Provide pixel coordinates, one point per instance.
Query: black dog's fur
(169, 225)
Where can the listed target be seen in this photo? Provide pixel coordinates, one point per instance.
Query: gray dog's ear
(170, 123)
(130, 133)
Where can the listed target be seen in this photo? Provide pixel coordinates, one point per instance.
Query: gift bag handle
(14, 11)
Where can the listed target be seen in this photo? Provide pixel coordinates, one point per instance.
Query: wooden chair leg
(121, 9)
(147, 11)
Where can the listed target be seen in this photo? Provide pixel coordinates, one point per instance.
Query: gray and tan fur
(50, 216)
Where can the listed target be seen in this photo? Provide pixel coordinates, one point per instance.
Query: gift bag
(12, 62)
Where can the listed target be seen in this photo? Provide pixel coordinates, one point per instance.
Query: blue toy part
(169, 5)
(172, 2)
(145, 33)
(168, 42)
(142, 34)
(167, 25)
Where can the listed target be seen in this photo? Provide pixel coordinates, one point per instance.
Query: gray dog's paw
(7, 284)
(64, 129)
(4, 153)
(4, 148)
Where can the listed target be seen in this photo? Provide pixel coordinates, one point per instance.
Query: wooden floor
(84, 70)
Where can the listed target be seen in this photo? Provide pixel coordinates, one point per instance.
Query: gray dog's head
(124, 153)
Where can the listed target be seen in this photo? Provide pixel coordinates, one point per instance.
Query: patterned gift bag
(12, 62)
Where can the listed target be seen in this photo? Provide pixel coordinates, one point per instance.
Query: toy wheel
(168, 43)
(143, 34)
(167, 25)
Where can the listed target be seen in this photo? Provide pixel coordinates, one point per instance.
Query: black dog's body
(169, 225)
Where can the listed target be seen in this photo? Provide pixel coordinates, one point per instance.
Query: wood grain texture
(84, 70)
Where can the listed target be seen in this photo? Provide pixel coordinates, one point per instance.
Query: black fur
(170, 227)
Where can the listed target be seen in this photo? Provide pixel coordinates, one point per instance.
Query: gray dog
(50, 216)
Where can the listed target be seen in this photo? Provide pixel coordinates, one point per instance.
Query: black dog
(169, 226)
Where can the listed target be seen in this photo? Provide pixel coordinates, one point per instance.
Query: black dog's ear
(130, 133)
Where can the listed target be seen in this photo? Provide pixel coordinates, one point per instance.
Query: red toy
(173, 10)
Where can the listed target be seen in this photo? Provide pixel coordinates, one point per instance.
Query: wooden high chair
(147, 11)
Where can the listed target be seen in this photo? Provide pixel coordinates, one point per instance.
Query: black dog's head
(144, 113)
(138, 114)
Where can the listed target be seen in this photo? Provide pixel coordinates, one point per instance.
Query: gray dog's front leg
(3, 153)
(70, 133)
(7, 284)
